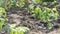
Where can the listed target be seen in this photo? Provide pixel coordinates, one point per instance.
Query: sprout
(2, 19)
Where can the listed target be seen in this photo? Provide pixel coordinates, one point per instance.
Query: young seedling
(12, 29)
(2, 17)
(11, 4)
(21, 3)
(46, 14)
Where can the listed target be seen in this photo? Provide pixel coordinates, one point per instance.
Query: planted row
(44, 14)
(2, 17)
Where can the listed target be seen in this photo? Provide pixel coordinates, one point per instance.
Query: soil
(23, 18)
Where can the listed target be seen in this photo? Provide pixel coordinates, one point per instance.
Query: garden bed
(23, 18)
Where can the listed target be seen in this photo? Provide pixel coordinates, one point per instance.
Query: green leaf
(1, 26)
(2, 20)
(49, 25)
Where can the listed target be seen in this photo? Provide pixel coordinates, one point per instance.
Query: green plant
(36, 1)
(48, 0)
(45, 14)
(12, 29)
(2, 3)
(21, 3)
(2, 17)
(8, 3)
(11, 3)
(40, 1)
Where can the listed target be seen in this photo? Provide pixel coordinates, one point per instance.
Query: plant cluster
(11, 3)
(12, 29)
(7, 3)
(39, 1)
(2, 17)
(43, 13)
(21, 3)
(2, 3)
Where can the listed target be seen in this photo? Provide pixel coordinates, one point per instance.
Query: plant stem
(49, 25)
(0, 27)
